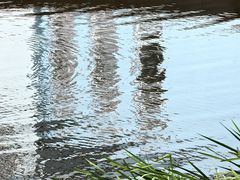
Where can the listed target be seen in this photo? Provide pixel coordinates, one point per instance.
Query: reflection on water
(87, 80)
(54, 65)
(105, 47)
(148, 98)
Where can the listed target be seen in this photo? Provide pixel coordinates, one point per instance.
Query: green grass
(141, 169)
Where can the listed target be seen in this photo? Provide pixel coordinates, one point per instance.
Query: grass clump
(143, 170)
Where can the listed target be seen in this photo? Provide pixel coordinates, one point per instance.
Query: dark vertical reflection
(55, 131)
(105, 78)
(148, 98)
(53, 78)
(41, 78)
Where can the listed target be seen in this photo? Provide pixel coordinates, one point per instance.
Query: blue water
(88, 80)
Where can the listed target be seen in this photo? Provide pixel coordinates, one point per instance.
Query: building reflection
(54, 79)
(151, 58)
(42, 76)
(149, 95)
(104, 74)
(41, 68)
(54, 59)
(63, 59)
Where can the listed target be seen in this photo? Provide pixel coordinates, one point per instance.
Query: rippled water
(86, 80)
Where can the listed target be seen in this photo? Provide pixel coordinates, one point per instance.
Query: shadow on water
(175, 8)
(84, 105)
(210, 6)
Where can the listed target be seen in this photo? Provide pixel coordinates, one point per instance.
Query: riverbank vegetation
(140, 169)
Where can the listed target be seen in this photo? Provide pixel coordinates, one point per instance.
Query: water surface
(87, 80)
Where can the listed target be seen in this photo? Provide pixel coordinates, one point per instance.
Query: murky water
(87, 80)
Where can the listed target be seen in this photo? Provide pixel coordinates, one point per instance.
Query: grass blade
(203, 174)
(220, 143)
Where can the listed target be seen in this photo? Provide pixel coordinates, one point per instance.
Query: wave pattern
(88, 80)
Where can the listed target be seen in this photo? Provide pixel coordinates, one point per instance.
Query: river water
(85, 80)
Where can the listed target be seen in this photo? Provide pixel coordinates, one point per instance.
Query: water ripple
(87, 80)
